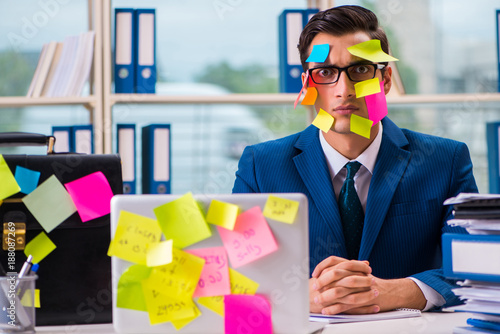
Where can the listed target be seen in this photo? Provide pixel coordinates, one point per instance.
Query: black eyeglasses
(330, 74)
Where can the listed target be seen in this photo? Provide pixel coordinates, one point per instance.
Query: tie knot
(352, 169)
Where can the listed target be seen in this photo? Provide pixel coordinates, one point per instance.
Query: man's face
(339, 99)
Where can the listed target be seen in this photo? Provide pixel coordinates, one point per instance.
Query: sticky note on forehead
(370, 50)
(319, 53)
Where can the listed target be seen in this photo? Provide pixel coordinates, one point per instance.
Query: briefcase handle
(27, 139)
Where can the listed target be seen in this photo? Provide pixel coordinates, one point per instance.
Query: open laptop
(282, 275)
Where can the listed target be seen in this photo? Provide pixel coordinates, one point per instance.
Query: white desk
(428, 323)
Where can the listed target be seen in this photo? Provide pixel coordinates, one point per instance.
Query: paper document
(338, 318)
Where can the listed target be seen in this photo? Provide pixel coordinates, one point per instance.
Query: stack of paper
(337, 318)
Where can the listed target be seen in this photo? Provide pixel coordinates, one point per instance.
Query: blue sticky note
(319, 53)
(27, 179)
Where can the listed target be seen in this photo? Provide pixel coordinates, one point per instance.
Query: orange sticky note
(311, 95)
(323, 121)
(361, 126)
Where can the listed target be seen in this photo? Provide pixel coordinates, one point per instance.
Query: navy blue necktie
(351, 212)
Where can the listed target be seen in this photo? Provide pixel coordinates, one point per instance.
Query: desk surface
(429, 323)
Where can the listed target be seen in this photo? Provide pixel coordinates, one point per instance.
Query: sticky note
(134, 234)
(281, 209)
(182, 221)
(91, 195)
(222, 214)
(301, 90)
(323, 121)
(159, 254)
(31, 298)
(130, 294)
(214, 279)
(367, 87)
(376, 105)
(370, 50)
(240, 285)
(27, 179)
(311, 95)
(50, 203)
(247, 314)
(39, 247)
(319, 53)
(361, 125)
(9, 184)
(250, 240)
(180, 323)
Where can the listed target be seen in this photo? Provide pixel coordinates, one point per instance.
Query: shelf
(22, 101)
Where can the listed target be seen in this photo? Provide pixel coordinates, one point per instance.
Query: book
(44, 69)
(37, 70)
(339, 318)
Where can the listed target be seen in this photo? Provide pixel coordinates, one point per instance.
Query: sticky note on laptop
(281, 209)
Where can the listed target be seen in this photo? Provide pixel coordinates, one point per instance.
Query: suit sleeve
(461, 180)
(246, 181)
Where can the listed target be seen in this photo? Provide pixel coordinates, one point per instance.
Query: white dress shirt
(338, 173)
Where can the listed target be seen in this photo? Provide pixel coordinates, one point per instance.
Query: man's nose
(344, 87)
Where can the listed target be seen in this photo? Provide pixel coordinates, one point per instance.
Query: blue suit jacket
(405, 217)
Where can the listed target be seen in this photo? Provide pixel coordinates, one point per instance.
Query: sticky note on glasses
(367, 87)
(319, 53)
(323, 121)
(310, 98)
(361, 125)
(371, 50)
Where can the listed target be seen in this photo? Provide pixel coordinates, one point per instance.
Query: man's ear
(303, 78)
(387, 79)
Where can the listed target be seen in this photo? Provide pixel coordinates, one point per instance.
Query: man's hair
(340, 21)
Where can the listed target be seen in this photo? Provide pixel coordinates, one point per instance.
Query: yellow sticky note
(9, 184)
(361, 125)
(371, 50)
(182, 221)
(323, 121)
(367, 87)
(222, 214)
(39, 247)
(240, 285)
(281, 209)
(134, 233)
(178, 324)
(31, 298)
(159, 254)
(310, 98)
(129, 292)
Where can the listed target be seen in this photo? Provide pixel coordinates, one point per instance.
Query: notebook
(282, 275)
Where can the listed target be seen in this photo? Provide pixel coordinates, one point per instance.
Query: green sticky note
(9, 184)
(361, 126)
(367, 87)
(182, 221)
(50, 203)
(129, 293)
(39, 247)
(370, 50)
(323, 121)
(222, 214)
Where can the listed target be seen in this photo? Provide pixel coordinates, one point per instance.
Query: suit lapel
(392, 161)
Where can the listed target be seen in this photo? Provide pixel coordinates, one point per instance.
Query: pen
(24, 269)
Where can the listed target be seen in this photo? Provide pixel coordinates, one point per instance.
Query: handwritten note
(91, 195)
(281, 209)
(323, 121)
(159, 254)
(39, 247)
(319, 53)
(367, 87)
(377, 105)
(134, 233)
(27, 179)
(311, 95)
(180, 323)
(9, 184)
(361, 126)
(250, 240)
(182, 221)
(247, 314)
(370, 50)
(222, 214)
(130, 294)
(214, 278)
(240, 285)
(50, 203)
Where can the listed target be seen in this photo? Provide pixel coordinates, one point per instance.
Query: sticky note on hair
(319, 53)
(310, 98)
(371, 50)
(361, 126)
(367, 87)
(9, 184)
(222, 214)
(281, 209)
(376, 105)
(323, 121)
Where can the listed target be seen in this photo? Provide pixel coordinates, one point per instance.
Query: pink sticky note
(250, 239)
(247, 314)
(300, 93)
(214, 279)
(91, 195)
(376, 105)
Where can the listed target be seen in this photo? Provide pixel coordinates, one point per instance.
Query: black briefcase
(75, 279)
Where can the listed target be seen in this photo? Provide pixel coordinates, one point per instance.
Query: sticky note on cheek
(323, 121)
(376, 105)
(361, 126)
(310, 98)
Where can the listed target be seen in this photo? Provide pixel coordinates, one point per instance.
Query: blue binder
(291, 23)
(126, 148)
(145, 57)
(64, 139)
(124, 57)
(471, 256)
(156, 165)
(83, 138)
(492, 141)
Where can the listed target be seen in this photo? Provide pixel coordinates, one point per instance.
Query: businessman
(376, 211)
